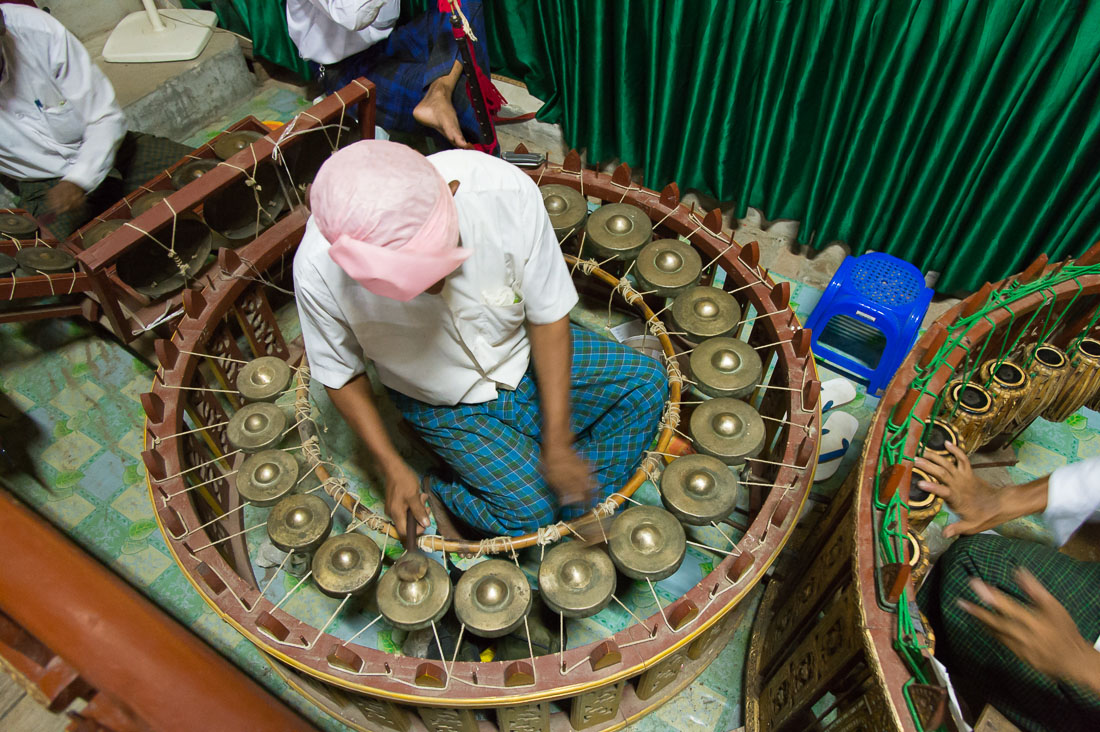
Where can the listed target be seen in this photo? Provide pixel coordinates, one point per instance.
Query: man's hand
(568, 475)
(402, 494)
(64, 197)
(1043, 635)
(977, 503)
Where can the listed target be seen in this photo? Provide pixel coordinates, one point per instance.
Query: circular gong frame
(790, 462)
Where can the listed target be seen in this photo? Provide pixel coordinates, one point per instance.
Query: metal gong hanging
(45, 259)
(346, 564)
(576, 580)
(256, 427)
(231, 143)
(727, 429)
(492, 598)
(100, 230)
(618, 230)
(668, 267)
(647, 542)
(566, 207)
(147, 201)
(263, 379)
(154, 272)
(698, 489)
(7, 264)
(17, 226)
(299, 523)
(191, 171)
(244, 208)
(267, 477)
(412, 602)
(726, 367)
(705, 312)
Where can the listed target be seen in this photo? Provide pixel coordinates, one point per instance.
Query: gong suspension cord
(157, 439)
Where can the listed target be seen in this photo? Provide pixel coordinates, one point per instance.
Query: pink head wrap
(389, 216)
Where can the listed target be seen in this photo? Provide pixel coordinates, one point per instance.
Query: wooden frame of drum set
(411, 680)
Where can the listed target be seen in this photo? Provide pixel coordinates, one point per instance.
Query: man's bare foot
(436, 111)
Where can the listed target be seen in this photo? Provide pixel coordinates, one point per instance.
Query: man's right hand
(64, 197)
(403, 493)
(978, 504)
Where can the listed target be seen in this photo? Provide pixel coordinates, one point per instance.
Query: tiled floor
(82, 431)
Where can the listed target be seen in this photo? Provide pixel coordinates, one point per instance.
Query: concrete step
(174, 99)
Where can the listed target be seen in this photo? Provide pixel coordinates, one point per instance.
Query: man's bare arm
(566, 472)
(402, 484)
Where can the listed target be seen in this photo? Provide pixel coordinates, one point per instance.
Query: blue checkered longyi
(617, 397)
(403, 65)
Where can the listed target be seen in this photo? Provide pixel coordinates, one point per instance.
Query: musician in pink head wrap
(445, 273)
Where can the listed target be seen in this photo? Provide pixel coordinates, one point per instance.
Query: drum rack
(843, 625)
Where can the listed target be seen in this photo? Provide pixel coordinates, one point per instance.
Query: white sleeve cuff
(1073, 493)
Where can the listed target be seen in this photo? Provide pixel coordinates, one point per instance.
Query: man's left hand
(1043, 635)
(568, 475)
(64, 197)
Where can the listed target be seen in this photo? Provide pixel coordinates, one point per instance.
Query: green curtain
(961, 136)
(264, 21)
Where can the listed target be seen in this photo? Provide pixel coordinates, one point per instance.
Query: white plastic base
(185, 35)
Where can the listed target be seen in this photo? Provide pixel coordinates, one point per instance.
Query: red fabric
(493, 98)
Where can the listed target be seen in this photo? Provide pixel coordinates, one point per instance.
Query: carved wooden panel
(258, 322)
(815, 662)
(448, 720)
(383, 715)
(524, 718)
(661, 675)
(597, 706)
(869, 713)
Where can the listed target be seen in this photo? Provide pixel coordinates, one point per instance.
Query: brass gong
(346, 564)
(231, 143)
(566, 207)
(647, 542)
(245, 207)
(412, 604)
(314, 148)
(7, 264)
(618, 230)
(727, 429)
(263, 379)
(45, 259)
(668, 267)
(152, 271)
(726, 367)
(100, 230)
(147, 201)
(17, 226)
(705, 312)
(299, 523)
(256, 427)
(492, 598)
(576, 580)
(191, 171)
(698, 489)
(267, 477)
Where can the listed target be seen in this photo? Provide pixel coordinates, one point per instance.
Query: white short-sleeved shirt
(327, 31)
(58, 113)
(461, 345)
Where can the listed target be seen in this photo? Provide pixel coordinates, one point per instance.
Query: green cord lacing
(892, 451)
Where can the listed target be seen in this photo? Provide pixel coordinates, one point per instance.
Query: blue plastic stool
(873, 292)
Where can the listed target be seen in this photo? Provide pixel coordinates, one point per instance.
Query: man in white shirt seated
(415, 66)
(446, 273)
(61, 130)
(1017, 624)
